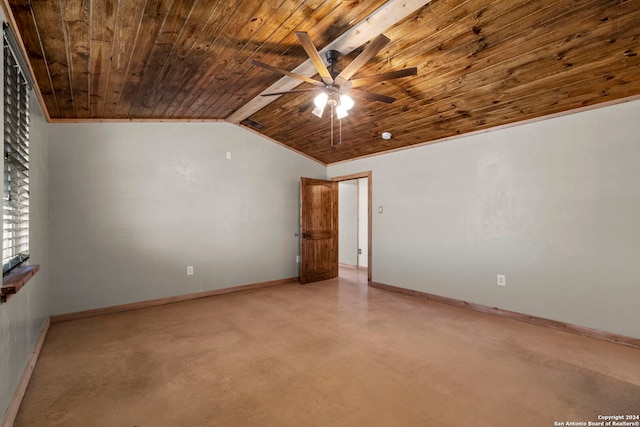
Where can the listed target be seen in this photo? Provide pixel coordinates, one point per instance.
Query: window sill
(14, 281)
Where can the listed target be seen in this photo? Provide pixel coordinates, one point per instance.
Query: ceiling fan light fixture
(333, 82)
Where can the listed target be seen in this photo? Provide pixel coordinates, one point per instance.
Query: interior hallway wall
(134, 204)
(554, 205)
(363, 222)
(348, 222)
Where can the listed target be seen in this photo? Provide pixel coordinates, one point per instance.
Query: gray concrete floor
(334, 353)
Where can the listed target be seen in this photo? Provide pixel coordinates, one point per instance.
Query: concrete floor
(335, 353)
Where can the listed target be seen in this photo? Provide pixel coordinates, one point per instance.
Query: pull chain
(332, 126)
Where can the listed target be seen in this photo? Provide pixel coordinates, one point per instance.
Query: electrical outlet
(189, 270)
(228, 155)
(359, 251)
(298, 259)
(502, 280)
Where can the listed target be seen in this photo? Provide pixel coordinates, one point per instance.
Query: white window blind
(15, 237)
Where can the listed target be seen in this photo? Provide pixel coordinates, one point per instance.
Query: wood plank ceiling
(481, 63)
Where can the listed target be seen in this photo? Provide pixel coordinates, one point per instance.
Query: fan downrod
(332, 58)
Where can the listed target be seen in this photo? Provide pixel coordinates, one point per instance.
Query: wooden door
(319, 230)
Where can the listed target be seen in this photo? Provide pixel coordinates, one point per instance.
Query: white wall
(363, 222)
(132, 204)
(24, 315)
(554, 205)
(348, 222)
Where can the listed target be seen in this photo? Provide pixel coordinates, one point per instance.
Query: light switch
(379, 209)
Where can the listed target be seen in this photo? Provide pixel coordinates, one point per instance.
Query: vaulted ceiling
(481, 63)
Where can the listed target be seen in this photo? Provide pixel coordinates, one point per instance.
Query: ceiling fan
(334, 87)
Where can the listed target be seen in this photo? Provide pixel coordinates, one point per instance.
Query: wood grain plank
(28, 29)
(156, 14)
(50, 26)
(102, 30)
(75, 18)
(16, 280)
(161, 54)
(229, 48)
(531, 52)
(198, 28)
(195, 61)
(578, 87)
(129, 16)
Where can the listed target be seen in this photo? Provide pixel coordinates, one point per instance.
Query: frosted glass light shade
(346, 102)
(321, 100)
(341, 112)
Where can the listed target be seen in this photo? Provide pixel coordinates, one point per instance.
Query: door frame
(368, 175)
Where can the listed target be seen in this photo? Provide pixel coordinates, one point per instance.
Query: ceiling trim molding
(133, 120)
(385, 17)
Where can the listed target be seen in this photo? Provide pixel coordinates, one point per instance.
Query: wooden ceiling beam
(388, 15)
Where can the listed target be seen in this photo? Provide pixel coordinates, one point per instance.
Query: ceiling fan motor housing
(332, 56)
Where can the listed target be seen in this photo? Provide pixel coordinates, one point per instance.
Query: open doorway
(354, 213)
